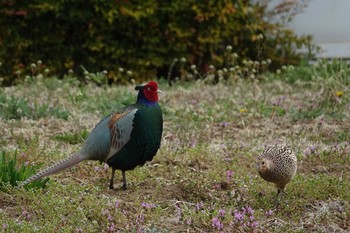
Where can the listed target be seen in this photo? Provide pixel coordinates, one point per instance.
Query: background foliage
(142, 36)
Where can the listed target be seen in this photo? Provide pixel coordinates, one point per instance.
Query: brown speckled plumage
(277, 164)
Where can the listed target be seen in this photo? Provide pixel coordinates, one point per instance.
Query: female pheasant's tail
(63, 164)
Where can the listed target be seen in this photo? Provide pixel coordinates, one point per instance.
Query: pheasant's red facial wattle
(150, 91)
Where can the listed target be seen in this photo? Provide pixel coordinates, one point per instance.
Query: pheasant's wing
(121, 126)
(110, 135)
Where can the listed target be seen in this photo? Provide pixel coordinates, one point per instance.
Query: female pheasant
(277, 164)
(124, 139)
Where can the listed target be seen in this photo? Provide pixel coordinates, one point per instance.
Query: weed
(13, 171)
(270, 110)
(99, 78)
(292, 74)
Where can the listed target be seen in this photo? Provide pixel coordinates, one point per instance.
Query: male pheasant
(277, 164)
(124, 139)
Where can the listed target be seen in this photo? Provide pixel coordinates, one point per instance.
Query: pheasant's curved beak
(159, 91)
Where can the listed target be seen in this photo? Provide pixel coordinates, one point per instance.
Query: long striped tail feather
(57, 167)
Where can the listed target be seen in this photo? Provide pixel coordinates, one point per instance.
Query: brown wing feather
(120, 126)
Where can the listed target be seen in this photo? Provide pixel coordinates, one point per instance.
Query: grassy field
(203, 178)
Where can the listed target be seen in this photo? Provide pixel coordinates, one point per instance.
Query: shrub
(144, 36)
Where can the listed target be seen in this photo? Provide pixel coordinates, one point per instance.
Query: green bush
(142, 36)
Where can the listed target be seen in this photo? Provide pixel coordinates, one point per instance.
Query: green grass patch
(16, 108)
(13, 171)
(72, 138)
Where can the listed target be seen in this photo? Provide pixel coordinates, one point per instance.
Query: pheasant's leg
(278, 197)
(112, 178)
(124, 180)
(281, 192)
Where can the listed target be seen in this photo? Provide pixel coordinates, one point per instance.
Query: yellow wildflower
(339, 93)
(243, 110)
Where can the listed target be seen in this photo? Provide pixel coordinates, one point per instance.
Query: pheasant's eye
(148, 88)
(263, 162)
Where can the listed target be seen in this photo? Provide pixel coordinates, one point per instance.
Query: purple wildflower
(268, 213)
(148, 205)
(199, 205)
(4, 226)
(238, 216)
(117, 204)
(217, 186)
(193, 143)
(140, 219)
(278, 102)
(217, 224)
(222, 213)
(178, 209)
(224, 124)
(249, 210)
(26, 214)
(254, 224)
(111, 227)
(310, 150)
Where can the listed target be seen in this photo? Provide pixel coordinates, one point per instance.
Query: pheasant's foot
(277, 204)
